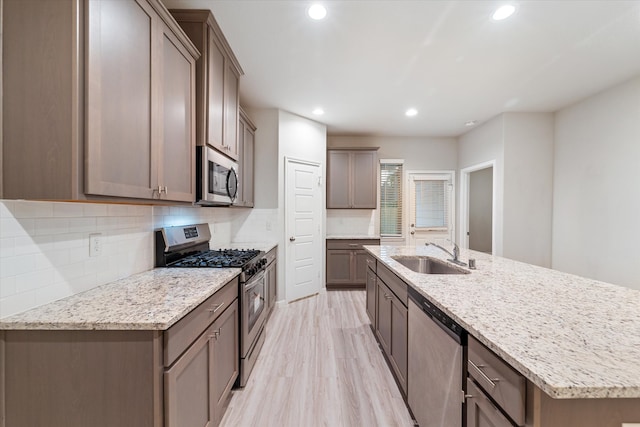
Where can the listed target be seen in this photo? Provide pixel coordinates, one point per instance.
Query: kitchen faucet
(454, 255)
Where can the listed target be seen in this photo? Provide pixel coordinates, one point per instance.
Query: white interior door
(431, 208)
(303, 207)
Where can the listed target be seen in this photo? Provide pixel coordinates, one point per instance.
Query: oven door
(254, 294)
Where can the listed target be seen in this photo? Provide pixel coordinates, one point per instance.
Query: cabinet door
(399, 341)
(247, 164)
(360, 267)
(120, 136)
(231, 106)
(339, 267)
(178, 148)
(240, 197)
(481, 412)
(371, 296)
(188, 386)
(383, 316)
(364, 178)
(215, 95)
(226, 359)
(338, 185)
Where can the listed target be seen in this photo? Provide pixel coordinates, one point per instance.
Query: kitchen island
(576, 340)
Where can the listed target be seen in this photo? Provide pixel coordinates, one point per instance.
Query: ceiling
(367, 62)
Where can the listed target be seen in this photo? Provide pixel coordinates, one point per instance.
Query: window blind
(432, 204)
(390, 199)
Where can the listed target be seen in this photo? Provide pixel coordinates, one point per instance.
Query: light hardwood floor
(320, 366)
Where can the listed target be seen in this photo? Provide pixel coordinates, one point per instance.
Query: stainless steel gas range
(188, 247)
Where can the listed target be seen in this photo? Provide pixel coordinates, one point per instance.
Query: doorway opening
(477, 203)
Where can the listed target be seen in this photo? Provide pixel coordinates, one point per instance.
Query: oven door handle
(255, 281)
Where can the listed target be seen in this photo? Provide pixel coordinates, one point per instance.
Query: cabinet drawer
(178, 337)
(505, 385)
(393, 282)
(371, 263)
(350, 244)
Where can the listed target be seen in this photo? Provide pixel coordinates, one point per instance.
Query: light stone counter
(572, 337)
(153, 300)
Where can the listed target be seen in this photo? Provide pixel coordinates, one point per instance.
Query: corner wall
(596, 203)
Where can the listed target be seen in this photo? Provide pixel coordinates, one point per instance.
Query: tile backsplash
(44, 246)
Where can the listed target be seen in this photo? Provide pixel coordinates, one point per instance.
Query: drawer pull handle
(387, 296)
(492, 381)
(215, 307)
(354, 245)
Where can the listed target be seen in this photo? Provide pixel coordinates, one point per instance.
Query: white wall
(483, 144)
(301, 139)
(428, 153)
(528, 187)
(521, 144)
(596, 203)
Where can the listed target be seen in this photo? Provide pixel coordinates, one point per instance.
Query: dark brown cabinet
(246, 145)
(481, 412)
(347, 262)
(218, 75)
(371, 290)
(114, 105)
(386, 299)
(352, 178)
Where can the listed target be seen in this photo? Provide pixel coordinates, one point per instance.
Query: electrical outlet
(268, 225)
(95, 244)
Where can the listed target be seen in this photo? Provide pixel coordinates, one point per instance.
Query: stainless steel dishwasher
(436, 365)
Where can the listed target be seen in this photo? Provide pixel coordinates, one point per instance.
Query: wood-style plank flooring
(320, 366)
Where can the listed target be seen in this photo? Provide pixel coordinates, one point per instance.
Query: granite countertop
(152, 300)
(572, 337)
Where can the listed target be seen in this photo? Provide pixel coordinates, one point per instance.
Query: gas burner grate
(218, 258)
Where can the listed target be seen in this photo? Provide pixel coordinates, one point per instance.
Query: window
(432, 204)
(391, 198)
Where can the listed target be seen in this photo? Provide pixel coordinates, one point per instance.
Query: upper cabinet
(109, 114)
(246, 145)
(352, 178)
(217, 83)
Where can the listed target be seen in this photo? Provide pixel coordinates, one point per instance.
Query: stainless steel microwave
(216, 178)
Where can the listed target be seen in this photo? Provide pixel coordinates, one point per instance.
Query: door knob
(292, 239)
(413, 232)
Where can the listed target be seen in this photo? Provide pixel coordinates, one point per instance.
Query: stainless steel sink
(428, 265)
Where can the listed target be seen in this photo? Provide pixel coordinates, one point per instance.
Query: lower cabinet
(126, 378)
(198, 386)
(481, 412)
(371, 288)
(347, 262)
(391, 330)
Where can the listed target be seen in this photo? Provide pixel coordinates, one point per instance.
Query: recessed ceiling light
(318, 111)
(317, 11)
(471, 123)
(411, 112)
(503, 12)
